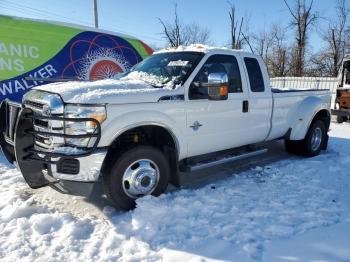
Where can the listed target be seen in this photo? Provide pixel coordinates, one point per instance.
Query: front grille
(41, 123)
(44, 105)
(44, 141)
(34, 105)
(41, 140)
(45, 128)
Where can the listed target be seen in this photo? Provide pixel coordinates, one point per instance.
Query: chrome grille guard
(12, 117)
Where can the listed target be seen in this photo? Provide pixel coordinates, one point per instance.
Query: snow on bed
(233, 219)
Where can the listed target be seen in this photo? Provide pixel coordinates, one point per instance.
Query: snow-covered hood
(107, 91)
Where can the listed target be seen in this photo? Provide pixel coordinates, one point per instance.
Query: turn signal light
(99, 118)
(223, 90)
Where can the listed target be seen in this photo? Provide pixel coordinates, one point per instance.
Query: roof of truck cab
(202, 49)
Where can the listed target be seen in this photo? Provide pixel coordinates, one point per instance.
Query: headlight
(85, 127)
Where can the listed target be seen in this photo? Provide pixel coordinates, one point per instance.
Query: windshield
(166, 69)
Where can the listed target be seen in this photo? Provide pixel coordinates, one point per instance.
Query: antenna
(95, 13)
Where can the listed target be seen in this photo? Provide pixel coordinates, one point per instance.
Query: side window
(255, 76)
(216, 64)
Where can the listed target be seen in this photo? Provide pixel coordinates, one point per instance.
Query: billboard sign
(31, 51)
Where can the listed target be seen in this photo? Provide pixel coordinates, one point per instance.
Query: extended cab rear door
(260, 97)
(216, 125)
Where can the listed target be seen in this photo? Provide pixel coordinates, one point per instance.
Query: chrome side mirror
(218, 86)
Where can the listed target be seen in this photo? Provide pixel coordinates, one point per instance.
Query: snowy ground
(275, 208)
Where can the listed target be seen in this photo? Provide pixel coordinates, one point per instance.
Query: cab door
(260, 98)
(216, 125)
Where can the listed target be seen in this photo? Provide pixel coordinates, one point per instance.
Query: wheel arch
(308, 111)
(323, 115)
(147, 133)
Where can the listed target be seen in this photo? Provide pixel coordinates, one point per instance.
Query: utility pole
(95, 13)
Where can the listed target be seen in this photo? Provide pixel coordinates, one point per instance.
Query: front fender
(304, 115)
(126, 121)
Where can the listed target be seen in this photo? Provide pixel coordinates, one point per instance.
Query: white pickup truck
(178, 110)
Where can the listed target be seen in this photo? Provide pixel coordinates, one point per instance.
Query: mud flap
(31, 170)
(6, 148)
(325, 143)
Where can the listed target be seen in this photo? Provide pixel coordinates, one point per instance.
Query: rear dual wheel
(313, 142)
(139, 171)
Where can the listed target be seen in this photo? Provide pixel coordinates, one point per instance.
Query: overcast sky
(139, 17)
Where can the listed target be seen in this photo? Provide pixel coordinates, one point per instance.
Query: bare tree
(272, 47)
(302, 19)
(261, 43)
(236, 28)
(337, 35)
(195, 34)
(278, 56)
(327, 61)
(171, 32)
(321, 64)
(177, 34)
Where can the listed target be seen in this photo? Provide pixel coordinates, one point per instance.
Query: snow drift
(235, 219)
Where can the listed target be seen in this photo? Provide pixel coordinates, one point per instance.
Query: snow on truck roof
(197, 48)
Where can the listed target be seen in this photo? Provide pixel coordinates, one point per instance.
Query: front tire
(139, 171)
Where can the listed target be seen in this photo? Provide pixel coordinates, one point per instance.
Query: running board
(200, 166)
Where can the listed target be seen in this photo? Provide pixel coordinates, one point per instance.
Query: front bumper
(39, 166)
(89, 168)
(88, 190)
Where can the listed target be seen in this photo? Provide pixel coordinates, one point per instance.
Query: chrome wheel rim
(140, 178)
(316, 139)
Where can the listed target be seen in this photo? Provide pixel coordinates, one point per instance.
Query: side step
(224, 160)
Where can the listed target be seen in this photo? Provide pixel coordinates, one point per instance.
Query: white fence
(305, 83)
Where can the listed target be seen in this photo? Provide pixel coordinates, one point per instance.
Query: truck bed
(287, 104)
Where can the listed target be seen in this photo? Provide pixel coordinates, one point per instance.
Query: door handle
(245, 106)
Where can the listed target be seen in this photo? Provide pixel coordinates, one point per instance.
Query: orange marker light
(99, 118)
(223, 90)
